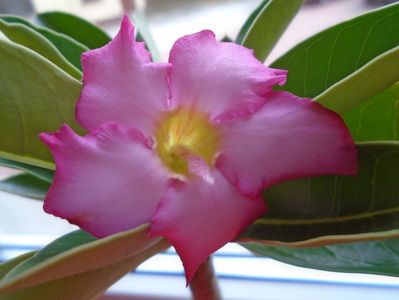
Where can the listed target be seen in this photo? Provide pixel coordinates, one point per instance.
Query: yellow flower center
(185, 132)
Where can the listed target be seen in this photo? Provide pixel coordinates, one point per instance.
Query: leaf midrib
(352, 217)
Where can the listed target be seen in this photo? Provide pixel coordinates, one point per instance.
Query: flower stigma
(183, 134)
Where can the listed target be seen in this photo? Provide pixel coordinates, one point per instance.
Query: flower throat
(183, 133)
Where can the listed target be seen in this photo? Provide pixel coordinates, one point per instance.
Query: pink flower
(188, 145)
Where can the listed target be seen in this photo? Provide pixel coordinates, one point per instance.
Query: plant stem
(204, 285)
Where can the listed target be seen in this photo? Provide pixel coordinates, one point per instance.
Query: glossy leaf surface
(249, 21)
(328, 57)
(41, 173)
(370, 80)
(83, 286)
(372, 257)
(269, 24)
(25, 36)
(77, 28)
(25, 185)
(70, 49)
(77, 266)
(335, 209)
(12, 263)
(43, 101)
(377, 118)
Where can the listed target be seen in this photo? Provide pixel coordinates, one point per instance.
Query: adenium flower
(187, 145)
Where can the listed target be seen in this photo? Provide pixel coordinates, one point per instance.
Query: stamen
(183, 133)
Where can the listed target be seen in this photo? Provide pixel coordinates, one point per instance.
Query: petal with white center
(288, 138)
(122, 85)
(200, 216)
(105, 182)
(224, 80)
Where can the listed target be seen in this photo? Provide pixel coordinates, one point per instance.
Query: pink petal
(106, 182)
(288, 138)
(224, 80)
(122, 85)
(199, 217)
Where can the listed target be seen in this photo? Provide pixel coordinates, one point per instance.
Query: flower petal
(199, 217)
(122, 85)
(106, 182)
(288, 138)
(224, 80)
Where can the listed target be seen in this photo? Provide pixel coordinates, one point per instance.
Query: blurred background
(170, 19)
(24, 226)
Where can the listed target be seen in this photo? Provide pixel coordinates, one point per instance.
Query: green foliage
(330, 56)
(92, 36)
(376, 76)
(333, 209)
(77, 28)
(41, 173)
(351, 68)
(61, 245)
(248, 23)
(70, 49)
(377, 118)
(25, 36)
(42, 101)
(12, 263)
(265, 26)
(372, 257)
(25, 185)
(79, 267)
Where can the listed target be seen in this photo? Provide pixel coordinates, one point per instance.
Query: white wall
(99, 10)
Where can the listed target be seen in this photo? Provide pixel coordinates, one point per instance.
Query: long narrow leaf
(41, 173)
(373, 78)
(248, 23)
(77, 28)
(269, 24)
(25, 185)
(333, 54)
(70, 48)
(44, 101)
(377, 118)
(79, 267)
(9, 265)
(371, 257)
(335, 209)
(25, 36)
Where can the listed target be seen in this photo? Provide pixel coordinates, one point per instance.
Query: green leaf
(371, 257)
(373, 78)
(144, 35)
(61, 245)
(70, 49)
(248, 23)
(25, 36)
(268, 25)
(326, 58)
(377, 118)
(77, 28)
(41, 173)
(82, 286)
(93, 36)
(42, 101)
(9, 265)
(79, 267)
(25, 185)
(334, 209)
